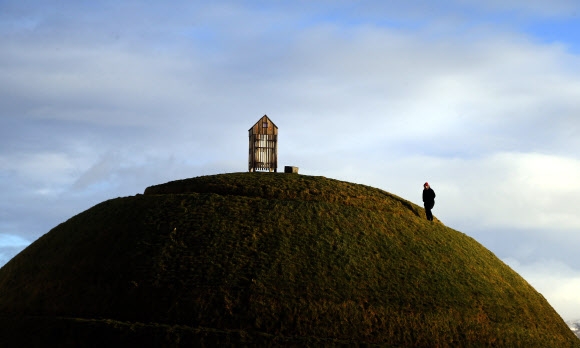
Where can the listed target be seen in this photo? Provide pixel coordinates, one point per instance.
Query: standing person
(428, 200)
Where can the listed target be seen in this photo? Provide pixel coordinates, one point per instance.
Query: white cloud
(97, 85)
(42, 167)
(504, 190)
(556, 281)
(12, 241)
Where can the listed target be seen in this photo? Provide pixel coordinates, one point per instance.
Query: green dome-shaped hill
(267, 259)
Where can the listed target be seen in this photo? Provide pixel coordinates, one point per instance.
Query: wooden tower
(263, 146)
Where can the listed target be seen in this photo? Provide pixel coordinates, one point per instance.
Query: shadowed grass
(276, 258)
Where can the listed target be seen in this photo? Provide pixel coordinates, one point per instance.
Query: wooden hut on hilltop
(263, 154)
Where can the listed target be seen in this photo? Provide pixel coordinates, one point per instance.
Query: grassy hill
(267, 259)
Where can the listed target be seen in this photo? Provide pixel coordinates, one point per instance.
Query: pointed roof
(264, 126)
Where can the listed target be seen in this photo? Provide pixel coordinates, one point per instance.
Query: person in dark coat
(428, 200)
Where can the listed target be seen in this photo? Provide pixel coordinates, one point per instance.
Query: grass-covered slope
(268, 258)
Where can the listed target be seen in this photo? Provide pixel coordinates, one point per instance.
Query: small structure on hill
(291, 169)
(263, 154)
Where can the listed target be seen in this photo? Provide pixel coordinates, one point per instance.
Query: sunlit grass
(278, 258)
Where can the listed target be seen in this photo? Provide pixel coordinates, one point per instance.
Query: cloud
(559, 284)
(6, 254)
(405, 91)
(366, 88)
(10, 245)
(33, 167)
(498, 191)
(12, 241)
(518, 190)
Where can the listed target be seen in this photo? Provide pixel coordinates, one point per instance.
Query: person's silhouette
(428, 200)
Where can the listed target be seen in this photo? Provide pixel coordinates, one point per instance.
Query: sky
(100, 99)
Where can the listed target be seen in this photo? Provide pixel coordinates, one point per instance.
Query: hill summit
(267, 259)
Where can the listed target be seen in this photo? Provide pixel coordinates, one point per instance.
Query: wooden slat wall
(263, 150)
